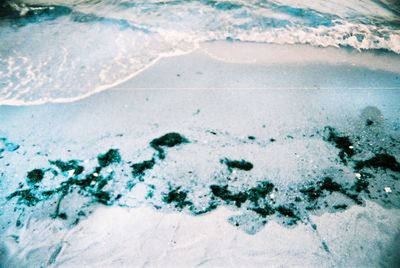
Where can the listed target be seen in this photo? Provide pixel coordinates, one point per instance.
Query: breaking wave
(58, 51)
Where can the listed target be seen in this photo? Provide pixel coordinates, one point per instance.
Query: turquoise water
(61, 51)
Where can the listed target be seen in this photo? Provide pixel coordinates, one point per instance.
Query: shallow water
(76, 48)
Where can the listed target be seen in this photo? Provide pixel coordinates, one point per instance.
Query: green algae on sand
(110, 157)
(330, 191)
(253, 194)
(168, 140)
(178, 197)
(223, 193)
(287, 211)
(383, 160)
(139, 169)
(237, 164)
(68, 166)
(25, 197)
(342, 142)
(35, 176)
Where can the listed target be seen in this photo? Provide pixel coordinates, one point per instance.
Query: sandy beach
(241, 114)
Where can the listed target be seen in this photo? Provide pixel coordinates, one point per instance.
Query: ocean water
(59, 51)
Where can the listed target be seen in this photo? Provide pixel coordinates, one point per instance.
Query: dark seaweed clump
(110, 157)
(25, 197)
(226, 195)
(178, 197)
(35, 176)
(361, 185)
(260, 191)
(314, 192)
(340, 207)
(343, 143)
(168, 140)
(253, 194)
(257, 201)
(91, 185)
(69, 165)
(237, 164)
(287, 212)
(368, 122)
(139, 169)
(263, 211)
(384, 160)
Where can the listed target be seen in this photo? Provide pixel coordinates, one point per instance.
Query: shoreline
(271, 56)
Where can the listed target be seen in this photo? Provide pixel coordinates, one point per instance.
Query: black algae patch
(253, 194)
(263, 211)
(340, 207)
(343, 143)
(168, 140)
(63, 216)
(237, 164)
(67, 166)
(329, 185)
(25, 197)
(110, 157)
(313, 192)
(361, 185)
(290, 206)
(90, 186)
(260, 191)
(368, 122)
(102, 197)
(35, 176)
(384, 161)
(287, 212)
(226, 195)
(178, 197)
(139, 169)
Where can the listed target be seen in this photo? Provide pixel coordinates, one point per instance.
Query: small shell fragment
(388, 189)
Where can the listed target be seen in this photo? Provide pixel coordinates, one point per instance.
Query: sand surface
(270, 106)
